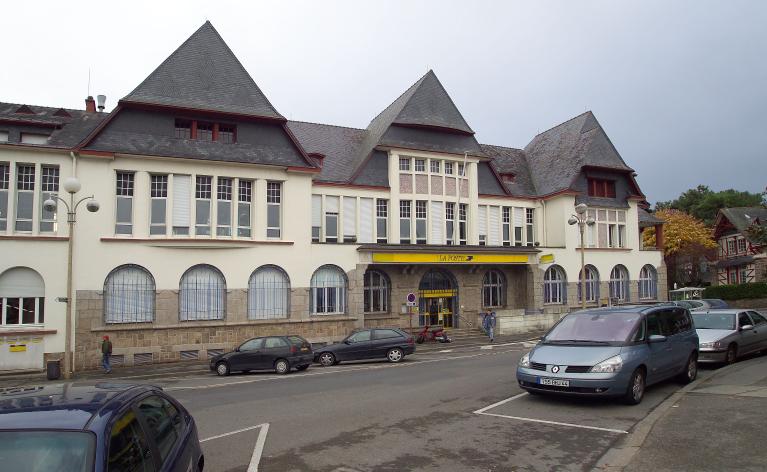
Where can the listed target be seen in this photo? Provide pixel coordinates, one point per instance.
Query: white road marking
(490, 407)
(231, 433)
(485, 347)
(445, 350)
(557, 423)
(258, 450)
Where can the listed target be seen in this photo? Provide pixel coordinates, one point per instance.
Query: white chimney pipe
(100, 100)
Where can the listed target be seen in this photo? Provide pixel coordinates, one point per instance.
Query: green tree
(704, 204)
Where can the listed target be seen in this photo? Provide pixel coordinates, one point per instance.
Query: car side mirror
(656, 338)
(347, 341)
(746, 327)
(237, 349)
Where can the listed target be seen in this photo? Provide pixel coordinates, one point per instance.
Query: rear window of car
(714, 320)
(387, 333)
(275, 342)
(297, 340)
(47, 450)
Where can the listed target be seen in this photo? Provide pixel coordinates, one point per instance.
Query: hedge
(737, 292)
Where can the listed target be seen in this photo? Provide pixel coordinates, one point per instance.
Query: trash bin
(53, 369)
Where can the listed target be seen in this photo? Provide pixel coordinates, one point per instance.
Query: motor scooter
(435, 334)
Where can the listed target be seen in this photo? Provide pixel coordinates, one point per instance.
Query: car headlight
(711, 345)
(612, 364)
(525, 361)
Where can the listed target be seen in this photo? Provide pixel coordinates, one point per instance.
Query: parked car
(729, 333)
(716, 303)
(99, 428)
(278, 353)
(703, 304)
(380, 343)
(614, 352)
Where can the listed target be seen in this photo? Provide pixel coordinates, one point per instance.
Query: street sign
(411, 299)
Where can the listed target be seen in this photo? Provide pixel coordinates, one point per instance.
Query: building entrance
(437, 299)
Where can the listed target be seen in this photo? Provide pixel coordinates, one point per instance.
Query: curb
(619, 456)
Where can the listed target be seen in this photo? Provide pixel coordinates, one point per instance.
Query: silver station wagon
(612, 352)
(726, 334)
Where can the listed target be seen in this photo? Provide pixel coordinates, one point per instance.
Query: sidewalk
(716, 425)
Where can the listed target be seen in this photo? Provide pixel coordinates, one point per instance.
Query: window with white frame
(350, 219)
(382, 220)
(182, 210)
(159, 205)
(404, 164)
(129, 295)
(420, 165)
(434, 166)
(3, 136)
(22, 297)
(203, 195)
(421, 215)
(462, 223)
(610, 228)
(648, 283)
(448, 168)
(461, 170)
(5, 177)
(273, 209)
(482, 224)
(730, 246)
(376, 292)
(506, 223)
(590, 284)
(124, 203)
(555, 285)
(316, 218)
(741, 245)
(25, 194)
(49, 186)
(493, 289)
(404, 221)
(530, 226)
(494, 226)
(268, 293)
(331, 218)
(619, 283)
(450, 222)
(367, 221)
(328, 291)
(202, 294)
(224, 206)
(244, 203)
(519, 215)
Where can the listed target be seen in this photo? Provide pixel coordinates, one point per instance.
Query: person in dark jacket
(106, 351)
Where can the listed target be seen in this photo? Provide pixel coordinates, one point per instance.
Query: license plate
(554, 382)
(304, 349)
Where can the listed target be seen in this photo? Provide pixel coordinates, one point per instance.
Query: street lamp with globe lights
(582, 219)
(71, 186)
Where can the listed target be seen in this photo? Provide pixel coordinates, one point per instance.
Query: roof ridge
(452, 102)
(400, 96)
(326, 124)
(564, 123)
(41, 106)
(503, 147)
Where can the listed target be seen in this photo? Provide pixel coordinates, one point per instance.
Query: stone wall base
(520, 323)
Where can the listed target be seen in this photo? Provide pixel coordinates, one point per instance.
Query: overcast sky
(679, 86)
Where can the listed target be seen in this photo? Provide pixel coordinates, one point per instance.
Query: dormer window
(183, 129)
(601, 188)
(226, 134)
(205, 131)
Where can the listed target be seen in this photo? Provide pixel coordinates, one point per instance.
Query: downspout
(74, 163)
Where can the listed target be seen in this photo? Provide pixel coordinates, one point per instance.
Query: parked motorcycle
(436, 334)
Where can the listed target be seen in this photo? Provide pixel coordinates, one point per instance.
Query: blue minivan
(612, 352)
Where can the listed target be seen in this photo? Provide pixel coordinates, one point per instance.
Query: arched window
(493, 289)
(648, 283)
(590, 284)
(22, 297)
(555, 285)
(328, 291)
(268, 293)
(202, 294)
(376, 292)
(619, 283)
(129, 294)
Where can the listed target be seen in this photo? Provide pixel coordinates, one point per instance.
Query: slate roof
(743, 217)
(67, 132)
(507, 160)
(428, 104)
(204, 74)
(340, 145)
(647, 219)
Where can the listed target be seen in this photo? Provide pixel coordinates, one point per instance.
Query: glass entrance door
(437, 299)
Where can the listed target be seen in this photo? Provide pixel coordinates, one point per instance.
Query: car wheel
(635, 389)
(395, 355)
(222, 369)
(732, 354)
(690, 370)
(302, 367)
(327, 359)
(281, 366)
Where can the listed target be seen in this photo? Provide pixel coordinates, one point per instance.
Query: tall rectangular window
(244, 201)
(449, 168)
(183, 129)
(506, 221)
(420, 165)
(530, 225)
(519, 218)
(316, 218)
(25, 190)
(227, 134)
(382, 220)
(182, 209)
(224, 207)
(159, 208)
(482, 221)
(273, 209)
(124, 212)
(203, 194)
(204, 131)
(449, 220)
(462, 223)
(420, 221)
(367, 221)
(404, 221)
(404, 164)
(5, 177)
(601, 188)
(494, 226)
(434, 166)
(350, 219)
(331, 219)
(48, 188)
(461, 170)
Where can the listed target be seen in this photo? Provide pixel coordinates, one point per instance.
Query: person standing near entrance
(106, 351)
(488, 323)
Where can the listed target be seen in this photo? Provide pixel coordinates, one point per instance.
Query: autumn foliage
(681, 233)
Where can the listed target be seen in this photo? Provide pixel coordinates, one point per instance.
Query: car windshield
(599, 328)
(47, 451)
(714, 320)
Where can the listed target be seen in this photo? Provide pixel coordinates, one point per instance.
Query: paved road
(435, 411)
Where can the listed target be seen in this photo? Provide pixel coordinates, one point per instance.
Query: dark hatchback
(277, 353)
(101, 427)
(391, 344)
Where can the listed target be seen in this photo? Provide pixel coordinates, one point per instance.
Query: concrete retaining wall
(517, 322)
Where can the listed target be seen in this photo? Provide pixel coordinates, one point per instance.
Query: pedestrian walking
(488, 323)
(106, 352)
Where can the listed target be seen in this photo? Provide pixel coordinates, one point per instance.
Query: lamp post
(582, 219)
(72, 186)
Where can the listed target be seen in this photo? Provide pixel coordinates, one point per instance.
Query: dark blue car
(101, 427)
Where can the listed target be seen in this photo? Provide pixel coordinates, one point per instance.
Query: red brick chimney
(90, 104)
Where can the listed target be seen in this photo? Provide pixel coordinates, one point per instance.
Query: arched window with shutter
(328, 291)
(648, 283)
(129, 295)
(554, 285)
(202, 294)
(268, 293)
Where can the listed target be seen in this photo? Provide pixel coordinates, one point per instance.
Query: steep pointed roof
(428, 104)
(204, 74)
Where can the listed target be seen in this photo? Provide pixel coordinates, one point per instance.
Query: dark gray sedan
(729, 333)
(391, 344)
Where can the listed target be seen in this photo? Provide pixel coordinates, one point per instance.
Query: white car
(727, 334)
